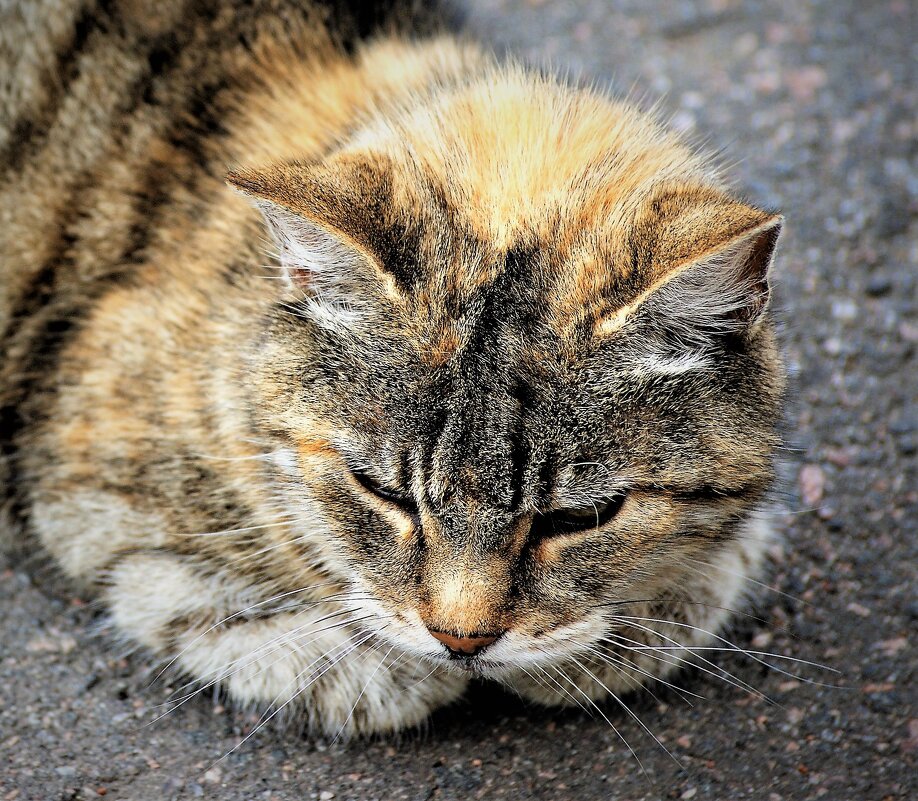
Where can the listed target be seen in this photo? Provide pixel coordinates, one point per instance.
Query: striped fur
(489, 292)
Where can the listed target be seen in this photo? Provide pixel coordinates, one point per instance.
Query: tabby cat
(346, 363)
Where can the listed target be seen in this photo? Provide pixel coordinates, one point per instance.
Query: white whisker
(625, 706)
(602, 714)
(730, 646)
(719, 672)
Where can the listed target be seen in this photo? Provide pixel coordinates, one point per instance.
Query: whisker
(295, 640)
(361, 694)
(235, 615)
(627, 709)
(273, 547)
(291, 637)
(622, 673)
(557, 684)
(253, 458)
(295, 679)
(744, 577)
(242, 529)
(418, 681)
(265, 720)
(722, 673)
(734, 647)
(603, 715)
(627, 664)
(672, 599)
(622, 642)
(715, 671)
(738, 650)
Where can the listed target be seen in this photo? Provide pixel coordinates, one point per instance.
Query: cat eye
(388, 494)
(571, 521)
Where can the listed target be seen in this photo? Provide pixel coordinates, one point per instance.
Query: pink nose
(463, 646)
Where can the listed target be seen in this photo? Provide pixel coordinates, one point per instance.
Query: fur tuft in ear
(318, 262)
(335, 274)
(704, 259)
(725, 293)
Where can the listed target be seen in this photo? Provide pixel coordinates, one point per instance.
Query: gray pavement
(818, 104)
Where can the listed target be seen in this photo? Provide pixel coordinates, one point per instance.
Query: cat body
(341, 465)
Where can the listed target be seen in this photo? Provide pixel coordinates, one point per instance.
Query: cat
(345, 362)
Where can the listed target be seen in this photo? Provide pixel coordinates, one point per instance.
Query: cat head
(521, 362)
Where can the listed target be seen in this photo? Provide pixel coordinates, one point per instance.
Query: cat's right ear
(704, 260)
(308, 223)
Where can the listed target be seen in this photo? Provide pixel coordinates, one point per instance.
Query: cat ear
(315, 218)
(706, 259)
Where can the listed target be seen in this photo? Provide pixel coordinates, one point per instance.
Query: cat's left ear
(322, 220)
(704, 259)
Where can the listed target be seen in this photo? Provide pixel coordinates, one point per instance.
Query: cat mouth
(476, 666)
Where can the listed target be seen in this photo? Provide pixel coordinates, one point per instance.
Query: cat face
(519, 366)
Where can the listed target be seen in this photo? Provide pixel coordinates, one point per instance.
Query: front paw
(311, 664)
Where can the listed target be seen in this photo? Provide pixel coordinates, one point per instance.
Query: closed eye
(388, 494)
(573, 520)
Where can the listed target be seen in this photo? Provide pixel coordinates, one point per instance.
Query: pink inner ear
(336, 279)
(308, 251)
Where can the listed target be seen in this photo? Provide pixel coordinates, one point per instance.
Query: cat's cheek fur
(335, 680)
(717, 594)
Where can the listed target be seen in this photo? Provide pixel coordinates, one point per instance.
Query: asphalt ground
(816, 107)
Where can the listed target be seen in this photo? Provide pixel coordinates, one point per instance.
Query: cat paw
(309, 666)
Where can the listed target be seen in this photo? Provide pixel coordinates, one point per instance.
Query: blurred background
(814, 107)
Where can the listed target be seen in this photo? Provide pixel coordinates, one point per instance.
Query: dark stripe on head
(546, 481)
(520, 450)
(434, 434)
(710, 493)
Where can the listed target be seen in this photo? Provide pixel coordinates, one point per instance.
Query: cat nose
(463, 646)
